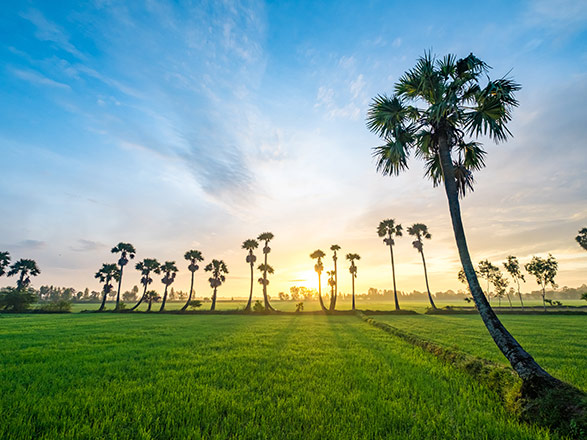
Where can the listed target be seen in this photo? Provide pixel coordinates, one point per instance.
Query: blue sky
(178, 125)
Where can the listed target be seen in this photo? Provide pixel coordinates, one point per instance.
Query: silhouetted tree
(319, 267)
(218, 269)
(4, 262)
(151, 297)
(146, 267)
(126, 251)
(266, 237)
(388, 229)
(193, 257)
(544, 269)
(486, 270)
(331, 283)
(436, 104)
(512, 266)
(25, 269)
(250, 245)
(420, 231)
(333, 297)
(170, 270)
(353, 270)
(107, 273)
(582, 238)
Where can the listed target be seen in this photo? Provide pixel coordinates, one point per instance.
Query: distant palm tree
(333, 297)
(388, 229)
(420, 231)
(319, 267)
(125, 250)
(218, 269)
(331, 283)
(436, 104)
(107, 273)
(353, 271)
(582, 238)
(512, 266)
(151, 296)
(264, 281)
(170, 271)
(250, 245)
(4, 262)
(25, 269)
(266, 237)
(193, 257)
(146, 267)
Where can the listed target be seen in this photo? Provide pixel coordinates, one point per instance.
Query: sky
(197, 125)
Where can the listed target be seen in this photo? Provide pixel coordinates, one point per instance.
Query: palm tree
(151, 296)
(146, 266)
(388, 229)
(265, 269)
(170, 271)
(512, 266)
(266, 237)
(332, 284)
(4, 262)
(454, 104)
(25, 269)
(250, 245)
(353, 271)
(333, 297)
(319, 267)
(107, 273)
(193, 257)
(218, 269)
(582, 238)
(420, 231)
(125, 250)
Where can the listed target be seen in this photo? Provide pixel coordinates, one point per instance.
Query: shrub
(258, 307)
(61, 305)
(195, 303)
(16, 300)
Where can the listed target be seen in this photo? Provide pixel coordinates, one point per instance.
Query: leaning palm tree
(146, 267)
(319, 267)
(107, 273)
(512, 266)
(388, 229)
(333, 297)
(582, 238)
(250, 245)
(125, 250)
(218, 269)
(193, 257)
(266, 237)
(4, 262)
(170, 270)
(25, 269)
(353, 271)
(420, 231)
(436, 105)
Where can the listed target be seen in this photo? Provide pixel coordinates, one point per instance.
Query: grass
(557, 342)
(169, 376)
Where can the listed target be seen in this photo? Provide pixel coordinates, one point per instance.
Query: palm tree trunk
(20, 282)
(119, 286)
(533, 375)
(248, 307)
(335, 292)
(324, 309)
(265, 298)
(187, 303)
(150, 303)
(164, 298)
(103, 302)
(140, 300)
(393, 273)
(426, 278)
(213, 307)
(353, 276)
(520, 294)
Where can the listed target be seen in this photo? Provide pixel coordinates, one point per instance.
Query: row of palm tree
(24, 268)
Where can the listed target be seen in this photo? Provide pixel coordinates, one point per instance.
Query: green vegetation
(163, 376)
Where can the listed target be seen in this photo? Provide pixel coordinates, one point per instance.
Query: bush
(16, 300)
(195, 303)
(258, 307)
(59, 306)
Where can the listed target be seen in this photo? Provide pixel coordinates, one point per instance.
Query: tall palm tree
(170, 270)
(453, 104)
(333, 297)
(266, 237)
(512, 266)
(388, 229)
(146, 267)
(353, 270)
(319, 267)
(420, 231)
(218, 269)
(193, 257)
(4, 262)
(582, 238)
(25, 269)
(250, 245)
(126, 251)
(105, 274)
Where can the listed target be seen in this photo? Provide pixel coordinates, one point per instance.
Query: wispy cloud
(38, 79)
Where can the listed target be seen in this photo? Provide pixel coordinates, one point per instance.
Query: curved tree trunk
(426, 278)
(140, 300)
(213, 306)
(248, 307)
(520, 294)
(187, 303)
(103, 302)
(119, 286)
(510, 301)
(393, 273)
(322, 306)
(164, 298)
(353, 277)
(533, 375)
